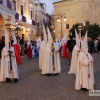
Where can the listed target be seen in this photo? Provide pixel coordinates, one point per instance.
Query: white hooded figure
(75, 52)
(17, 50)
(5, 60)
(57, 45)
(14, 73)
(85, 72)
(38, 42)
(29, 48)
(41, 51)
(51, 61)
(64, 49)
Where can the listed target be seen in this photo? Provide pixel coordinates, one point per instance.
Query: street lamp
(28, 29)
(18, 27)
(9, 29)
(80, 28)
(60, 16)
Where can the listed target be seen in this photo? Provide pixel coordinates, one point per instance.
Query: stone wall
(77, 11)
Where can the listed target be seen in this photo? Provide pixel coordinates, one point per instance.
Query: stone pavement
(34, 86)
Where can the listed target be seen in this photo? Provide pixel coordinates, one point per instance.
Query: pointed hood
(29, 41)
(14, 37)
(44, 34)
(56, 41)
(38, 40)
(64, 39)
(77, 39)
(84, 46)
(49, 36)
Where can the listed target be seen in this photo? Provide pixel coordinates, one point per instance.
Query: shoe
(15, 80)
(8, 80)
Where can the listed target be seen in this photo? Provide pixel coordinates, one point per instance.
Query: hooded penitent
(42, 46)
(17, 50)
(29, 41)
(74, 59)
(29, 48)
(85, 72)
(15, 40)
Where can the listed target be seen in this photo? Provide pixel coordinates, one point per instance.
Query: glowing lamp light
(65, 19)
(58, 19)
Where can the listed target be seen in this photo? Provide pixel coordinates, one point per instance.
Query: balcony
(17, 16)
(24, 19)
(9, 4)
(1, 1)
(33, 22)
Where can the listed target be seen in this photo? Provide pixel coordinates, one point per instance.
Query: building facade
(22, 11)
(6, 10)
(25, 15)
(40, 14)
(76, 11)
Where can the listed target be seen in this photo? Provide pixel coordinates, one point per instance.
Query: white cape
(47, 61)
(14, 65)
(5, 65)
(74, 60)
(83, 68)
(41, 54)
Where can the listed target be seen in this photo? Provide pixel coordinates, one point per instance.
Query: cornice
(6, 9)
(31, 6)
(27, 24)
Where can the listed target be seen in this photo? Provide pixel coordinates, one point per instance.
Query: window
(22, 10)
(1, 1)
(9, 4)
(14, 5)
(31, 14)
(87, 23)
(67, 26)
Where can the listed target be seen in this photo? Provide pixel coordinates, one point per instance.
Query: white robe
(14, 65)
(47, 61)
(84, 67)
(74, 60)
(41, 54)
(32, 50)
(5, 65)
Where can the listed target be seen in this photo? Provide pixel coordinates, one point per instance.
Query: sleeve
(13, 54)
(82, 60)
(6, 53)
(90, 58)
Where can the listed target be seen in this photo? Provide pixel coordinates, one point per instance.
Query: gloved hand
(90, 60)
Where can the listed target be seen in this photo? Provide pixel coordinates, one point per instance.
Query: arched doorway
(2, 31)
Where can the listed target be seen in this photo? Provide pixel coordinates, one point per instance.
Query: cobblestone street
(35, 86)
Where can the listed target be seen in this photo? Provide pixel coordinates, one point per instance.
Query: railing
(17, 16)
(9, 4)
(33, 22)
(24, 19)
(1, 1)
